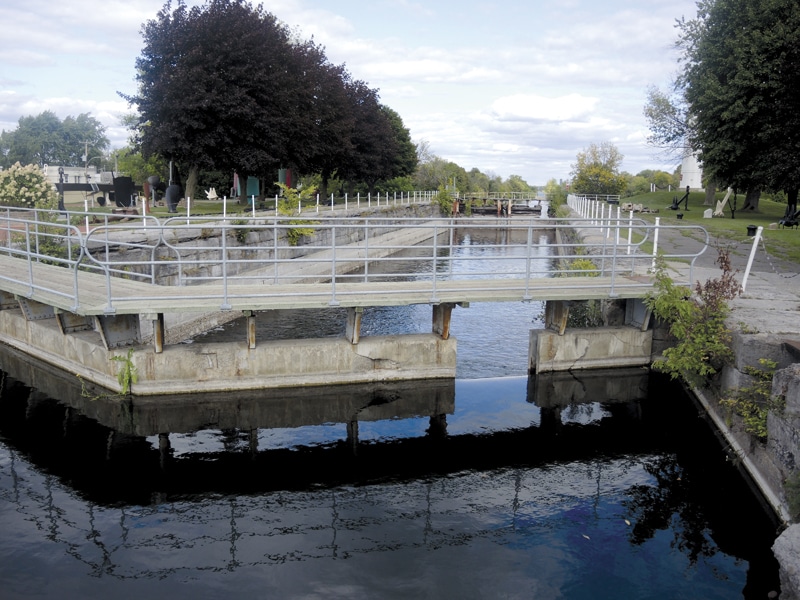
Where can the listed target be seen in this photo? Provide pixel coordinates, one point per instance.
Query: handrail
(206, 255)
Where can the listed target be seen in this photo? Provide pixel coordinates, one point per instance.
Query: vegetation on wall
(754, 402)
(697, 323)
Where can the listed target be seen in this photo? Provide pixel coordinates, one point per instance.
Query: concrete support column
(251, 328)
(252, 439)
(164, 448)
(438, 426)
(441, 319)
(556, 313)
(352, 435)
(353, 328)
(158, 333)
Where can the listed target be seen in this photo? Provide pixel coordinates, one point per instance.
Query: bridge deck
(88, 293)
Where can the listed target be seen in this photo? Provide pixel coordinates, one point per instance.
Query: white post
(369, 199)
(616, 237)
(345, 202)
(86, 210)
(358, 200)
(655, 242)
(630, 231)
(331, 202)
(188, 209)
(276, 205)
(224, 207)
(254, 206)
(318, 203)
(752, 256)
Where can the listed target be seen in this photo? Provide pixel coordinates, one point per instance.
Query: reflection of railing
(254, 263)
(423, 481)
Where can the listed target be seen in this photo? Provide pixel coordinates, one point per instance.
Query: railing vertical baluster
(655, 242)
(528, 262)
(333, 300)
(366, 250)
(434, 299)
(224, 246)
(275, 249)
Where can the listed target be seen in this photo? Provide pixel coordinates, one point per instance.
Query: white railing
(246, 251)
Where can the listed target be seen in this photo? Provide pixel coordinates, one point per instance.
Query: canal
(495, 485)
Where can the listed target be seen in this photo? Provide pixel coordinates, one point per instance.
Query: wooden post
(441, 319)
(353, 327)
(251, 328)
(158, 333)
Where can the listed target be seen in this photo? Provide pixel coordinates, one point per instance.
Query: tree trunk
(323, 186)
(711, 191)
(191, 183)
(751, 199)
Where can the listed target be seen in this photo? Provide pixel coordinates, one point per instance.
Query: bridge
(130, 279)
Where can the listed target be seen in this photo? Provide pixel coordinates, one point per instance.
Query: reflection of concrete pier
(244, 410)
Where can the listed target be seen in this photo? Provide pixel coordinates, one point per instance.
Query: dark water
(586, 485)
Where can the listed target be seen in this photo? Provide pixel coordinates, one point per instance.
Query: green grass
(781, 242)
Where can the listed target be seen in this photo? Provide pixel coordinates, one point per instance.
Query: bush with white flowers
(26, 187)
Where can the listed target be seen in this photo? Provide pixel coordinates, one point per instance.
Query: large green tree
(596, 170)
(741, 73)
(217, 87)
(45, 139)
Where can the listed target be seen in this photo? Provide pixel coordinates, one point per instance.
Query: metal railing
(261, 253)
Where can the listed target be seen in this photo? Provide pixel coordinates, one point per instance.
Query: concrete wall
(197, 367)
(596, 348)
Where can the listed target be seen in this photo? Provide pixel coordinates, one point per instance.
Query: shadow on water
(592, 485)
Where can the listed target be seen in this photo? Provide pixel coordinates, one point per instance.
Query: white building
(691, 172)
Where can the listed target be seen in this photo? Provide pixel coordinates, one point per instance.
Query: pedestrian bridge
(118, 275)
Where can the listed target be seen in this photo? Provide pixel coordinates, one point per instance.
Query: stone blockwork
(787, 551)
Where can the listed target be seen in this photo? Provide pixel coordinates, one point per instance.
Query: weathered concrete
(598, 348)
(787, 551)
(198, 367)
(244, 410)
(561, 389)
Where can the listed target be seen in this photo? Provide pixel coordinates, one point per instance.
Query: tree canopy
(226, 86)
(47, 140)
(596, 170)
(741, 73)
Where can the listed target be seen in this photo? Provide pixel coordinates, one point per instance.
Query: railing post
(434, 299)
(655, 242)
(630, 232)
(333, 300)
(528, 262)
(756, 239)
(225, 304)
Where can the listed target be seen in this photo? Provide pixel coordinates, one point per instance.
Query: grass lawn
(779, 242)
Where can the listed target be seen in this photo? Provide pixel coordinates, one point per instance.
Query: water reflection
(503, 485)
(590, 485)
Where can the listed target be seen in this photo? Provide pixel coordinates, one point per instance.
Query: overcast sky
(507, 87)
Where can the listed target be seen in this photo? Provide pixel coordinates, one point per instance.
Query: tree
(597, 170)
(668, 119)
(668, 123)
(217, 88)
(46, 140)
(405, 157)
(327, 118)
(741, 70)
(374, 147)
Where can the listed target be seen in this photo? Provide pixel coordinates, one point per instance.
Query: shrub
(698, 324)
(26, 187)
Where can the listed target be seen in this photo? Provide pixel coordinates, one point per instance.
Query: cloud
(534, 108)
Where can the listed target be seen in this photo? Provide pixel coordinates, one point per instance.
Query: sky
(510, 88)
